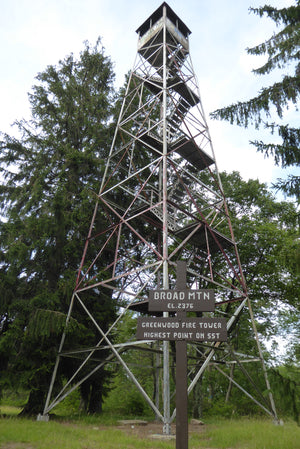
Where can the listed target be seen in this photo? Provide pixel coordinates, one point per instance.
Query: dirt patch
(154, 428)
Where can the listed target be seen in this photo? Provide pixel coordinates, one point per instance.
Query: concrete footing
(41, 417)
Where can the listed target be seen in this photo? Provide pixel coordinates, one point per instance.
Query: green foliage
(44, 323)
(286, 384)
(267, 233)
(282, 51)
(124, 397)
(221, 409)
(253, 111)
(256, 212)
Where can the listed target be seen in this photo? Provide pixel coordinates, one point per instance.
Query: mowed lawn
(17, 433)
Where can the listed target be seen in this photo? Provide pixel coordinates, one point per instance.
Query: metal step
(187, 148)
(205, 237)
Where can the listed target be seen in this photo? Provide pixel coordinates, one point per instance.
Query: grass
(10, 410)
(27, 434)
(16, 433)
(248, 434)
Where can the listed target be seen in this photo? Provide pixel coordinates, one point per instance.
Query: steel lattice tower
(163, 201)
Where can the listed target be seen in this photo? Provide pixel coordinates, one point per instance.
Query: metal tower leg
(166, 386)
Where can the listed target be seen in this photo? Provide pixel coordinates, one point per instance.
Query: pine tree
(51, 175)
(282, 50)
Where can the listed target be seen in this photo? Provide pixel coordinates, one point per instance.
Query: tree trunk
(95, 402)
(35, 403)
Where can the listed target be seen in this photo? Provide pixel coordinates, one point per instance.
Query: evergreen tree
(50, 176)
(282, 50)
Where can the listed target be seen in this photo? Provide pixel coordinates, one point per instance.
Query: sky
(38, 33)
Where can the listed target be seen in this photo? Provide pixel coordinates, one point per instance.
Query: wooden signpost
(181, 329)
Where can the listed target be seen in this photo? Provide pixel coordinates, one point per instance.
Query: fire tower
(162, 200)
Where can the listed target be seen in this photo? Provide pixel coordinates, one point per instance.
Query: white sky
(37, 33)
